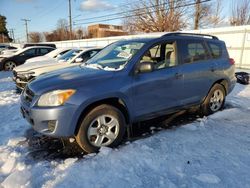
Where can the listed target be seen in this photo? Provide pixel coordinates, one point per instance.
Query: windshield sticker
(124, 54)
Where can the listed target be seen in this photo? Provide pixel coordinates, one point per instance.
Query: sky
(44, 14)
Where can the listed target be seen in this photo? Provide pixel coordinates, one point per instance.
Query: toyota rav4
(130, 81)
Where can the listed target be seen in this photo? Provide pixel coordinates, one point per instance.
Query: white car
(27, 72)
(52, 56)
(9, 52)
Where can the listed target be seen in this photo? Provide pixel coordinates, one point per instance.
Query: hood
(35, 65)
(49, 68)
(6, 55)
(39, 58)
(72, 77)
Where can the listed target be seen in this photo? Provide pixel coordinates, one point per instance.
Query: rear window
(216, 49)
(193, 51)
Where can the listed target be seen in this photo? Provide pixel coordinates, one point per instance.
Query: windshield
(69, 55)
(115, 56)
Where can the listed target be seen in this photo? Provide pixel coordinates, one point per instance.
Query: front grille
(28, 95)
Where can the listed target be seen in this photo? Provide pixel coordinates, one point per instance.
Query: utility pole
(12, 34)
(26, 26)
(197, 14)
(70, 21)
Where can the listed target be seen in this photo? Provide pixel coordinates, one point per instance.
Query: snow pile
(209, 152)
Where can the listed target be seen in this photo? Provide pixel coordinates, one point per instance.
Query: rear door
(197, 70)
(26, 55)
(159, 90)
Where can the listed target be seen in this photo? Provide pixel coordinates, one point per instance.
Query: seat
(172, 59)
(147, 57)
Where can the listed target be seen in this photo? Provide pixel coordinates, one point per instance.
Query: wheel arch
(113, 101)
(224, 83)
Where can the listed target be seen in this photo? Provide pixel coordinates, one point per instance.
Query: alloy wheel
(10, 65)
(216, 101)
(103, 130)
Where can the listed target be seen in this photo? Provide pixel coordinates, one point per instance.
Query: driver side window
(161, 55)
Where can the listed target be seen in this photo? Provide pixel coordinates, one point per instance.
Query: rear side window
(44, 51)
(216, 50)
(193, 51)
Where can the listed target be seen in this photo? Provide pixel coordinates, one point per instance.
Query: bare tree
(240, 14)
(80, 33)
(62, 30)
(35, 37)
(216, 17)
(201, 14)
(156, 16)
(207, 14)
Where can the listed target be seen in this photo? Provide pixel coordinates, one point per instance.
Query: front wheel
(9, 65)
(214, 101)
(102, 126)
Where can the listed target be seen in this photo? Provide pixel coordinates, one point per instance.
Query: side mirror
(145, 67)
(78, 60)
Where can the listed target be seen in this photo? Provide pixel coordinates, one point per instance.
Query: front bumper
(50, 121)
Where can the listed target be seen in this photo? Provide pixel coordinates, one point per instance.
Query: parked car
(130, 81)
(51, 56)
(39, 44)
(18, 58)
(8, 52)
(6, 47)
(26, 72)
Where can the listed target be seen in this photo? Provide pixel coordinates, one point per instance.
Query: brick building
(105, 30)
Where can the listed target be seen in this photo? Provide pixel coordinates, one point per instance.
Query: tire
(9, 65)
(96, 131)
(214, 101)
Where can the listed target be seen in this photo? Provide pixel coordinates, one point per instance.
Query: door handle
(178, 75)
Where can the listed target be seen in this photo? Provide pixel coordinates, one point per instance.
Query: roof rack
(190, 34)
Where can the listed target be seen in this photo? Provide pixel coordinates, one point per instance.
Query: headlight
(55, 98)
(28, 75)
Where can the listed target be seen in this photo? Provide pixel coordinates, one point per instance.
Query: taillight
(231, 61)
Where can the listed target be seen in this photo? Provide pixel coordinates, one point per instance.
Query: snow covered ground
(210, 152)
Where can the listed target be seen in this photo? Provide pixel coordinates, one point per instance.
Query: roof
(144, 40)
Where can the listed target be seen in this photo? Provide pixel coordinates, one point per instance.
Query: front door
(159, 90)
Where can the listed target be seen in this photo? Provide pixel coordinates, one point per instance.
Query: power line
(115, 7)
(140, 14)
(118, 13)
(49, 11)
(26, 27)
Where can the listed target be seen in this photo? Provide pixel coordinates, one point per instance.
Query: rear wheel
(9, 65)
(214, 101)
(102, 126)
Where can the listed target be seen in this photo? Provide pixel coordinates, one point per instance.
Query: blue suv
(130, 81)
